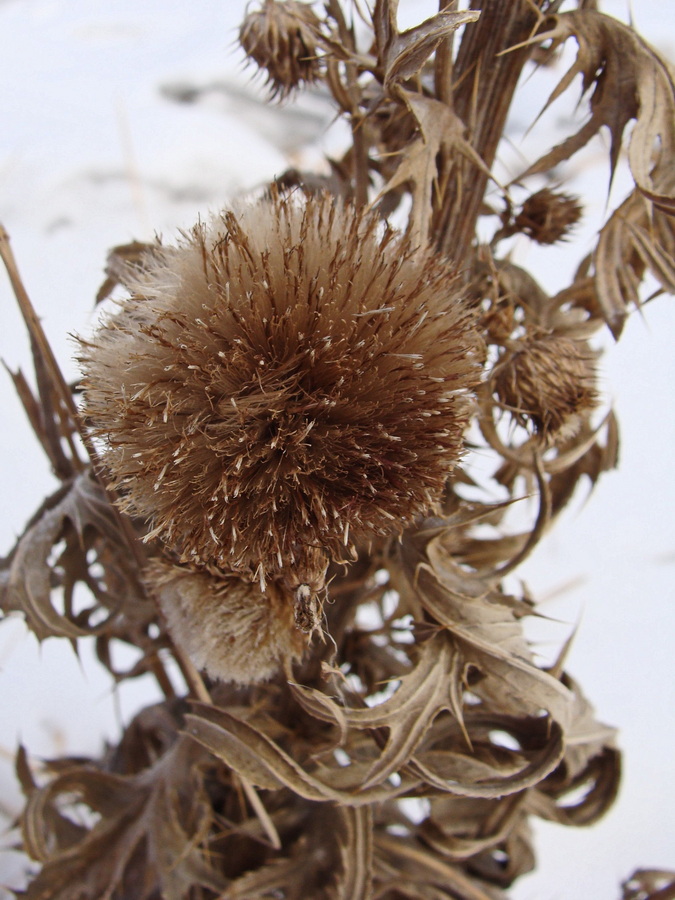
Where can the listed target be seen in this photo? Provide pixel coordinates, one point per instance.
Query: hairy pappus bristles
(226, 624)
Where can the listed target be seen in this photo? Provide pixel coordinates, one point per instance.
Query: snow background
(95, 151)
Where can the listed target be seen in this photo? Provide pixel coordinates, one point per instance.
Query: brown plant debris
(649, 884)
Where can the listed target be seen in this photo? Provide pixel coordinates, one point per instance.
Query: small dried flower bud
(282, 383)
(283, 39)
(225, 624)
(548, 216)
(549, 382)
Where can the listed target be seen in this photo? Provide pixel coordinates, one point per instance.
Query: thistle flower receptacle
(549, 382)
(282, 38)
(225, 624)
(283, 382)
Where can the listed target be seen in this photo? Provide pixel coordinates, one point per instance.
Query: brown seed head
(549, 382)
(280, 383)
(283, 39)
(225, 624)
(548, 216)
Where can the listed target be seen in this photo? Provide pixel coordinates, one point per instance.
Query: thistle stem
(485, 78)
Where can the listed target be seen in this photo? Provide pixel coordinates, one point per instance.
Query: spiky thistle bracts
(283, 38)
(285, 380)
(548, 382)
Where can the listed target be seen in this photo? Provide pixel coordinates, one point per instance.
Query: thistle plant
(278, 418)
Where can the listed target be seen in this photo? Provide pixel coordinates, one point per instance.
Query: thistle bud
(281, 383)
(548, 382)
(225, 624)
(282, 38)
(547, 216)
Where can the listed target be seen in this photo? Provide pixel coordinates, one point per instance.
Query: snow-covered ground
(97, 150)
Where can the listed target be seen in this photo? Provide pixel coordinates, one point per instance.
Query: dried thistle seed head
(549, 382)
(283, 39)
(225, 624)
(290, 379)
(548, 216)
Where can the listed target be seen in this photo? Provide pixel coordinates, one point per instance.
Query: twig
(62, 390)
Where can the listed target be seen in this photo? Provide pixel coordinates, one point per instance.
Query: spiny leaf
(467, 777)
(487, 631)
(433, 685)
(143, 823)
(591, 761)
(632, 241)
(255, 756)
(28, 584)
(440, 130)
(630, 80)
(595, 457)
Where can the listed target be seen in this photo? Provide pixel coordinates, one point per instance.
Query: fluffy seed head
(280, 383)
(225, 624)
(549, 382)
(548, 216)
(282, 38)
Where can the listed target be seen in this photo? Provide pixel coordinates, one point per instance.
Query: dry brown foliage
(261, 472)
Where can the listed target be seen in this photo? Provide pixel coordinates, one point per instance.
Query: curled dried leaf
(630, 80)
(404, 53)
(635, 240)
(440, 130)
(145, 835)
(70, 522)
(487, 630)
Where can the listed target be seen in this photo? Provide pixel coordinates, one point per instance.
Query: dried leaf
(356, 853)
(631, 242)
(649, 884)
(410, 860)
(591, 762)
(145, 835)
(467, 776)
(79, 505)
(630, 80)
(255, 756)
(430, 688)
(487, 631)
(594, 457)
(460, 827)
(440, 130)
(404, 53)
